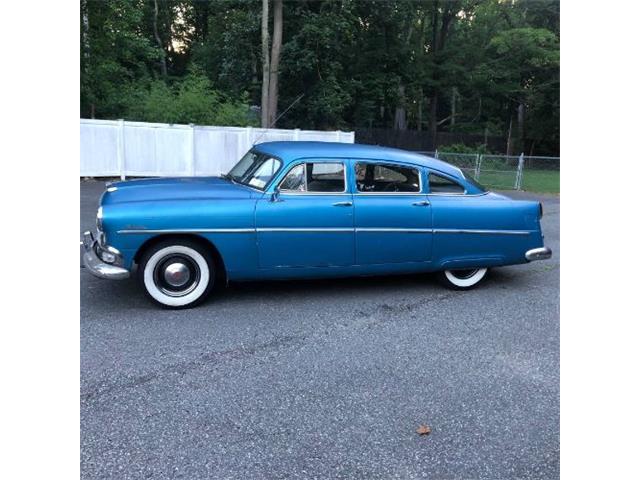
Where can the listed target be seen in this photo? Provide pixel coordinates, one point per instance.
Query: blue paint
(305, 235)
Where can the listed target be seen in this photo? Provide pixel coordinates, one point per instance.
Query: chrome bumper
(541, 253)
(95, 265)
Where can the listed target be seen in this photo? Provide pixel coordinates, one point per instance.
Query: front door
(309, 222)
(392, 214)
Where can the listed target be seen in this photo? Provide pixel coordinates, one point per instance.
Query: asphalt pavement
(324, 379)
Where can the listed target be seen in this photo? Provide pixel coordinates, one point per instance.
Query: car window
(315, 177)
(439, 184)
(375, 177)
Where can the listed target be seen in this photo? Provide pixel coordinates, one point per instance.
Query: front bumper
(541, 253)
(95, 265)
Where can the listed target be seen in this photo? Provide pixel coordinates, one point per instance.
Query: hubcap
(176, 274)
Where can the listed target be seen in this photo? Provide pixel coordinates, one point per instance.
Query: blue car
(308, 210)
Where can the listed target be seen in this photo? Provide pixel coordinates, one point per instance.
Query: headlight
(99, 219)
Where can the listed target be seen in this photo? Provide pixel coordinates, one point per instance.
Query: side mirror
(275, 196)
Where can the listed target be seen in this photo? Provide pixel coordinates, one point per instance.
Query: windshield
(255, 169)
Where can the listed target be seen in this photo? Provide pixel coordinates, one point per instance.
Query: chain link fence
(507, 172)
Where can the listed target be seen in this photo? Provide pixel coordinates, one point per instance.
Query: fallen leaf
(423, 430)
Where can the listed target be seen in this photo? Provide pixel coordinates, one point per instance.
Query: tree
(265, 64)
(276, 46)
(469, 67)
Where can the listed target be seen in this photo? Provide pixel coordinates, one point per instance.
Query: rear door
(309, 223)
(392, 213)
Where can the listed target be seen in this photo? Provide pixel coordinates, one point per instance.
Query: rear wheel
(462, 279)
(177, 274)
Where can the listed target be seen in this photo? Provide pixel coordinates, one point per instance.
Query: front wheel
(177, 274)
(462, 279)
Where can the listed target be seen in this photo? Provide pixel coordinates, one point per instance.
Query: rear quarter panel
(483, 230)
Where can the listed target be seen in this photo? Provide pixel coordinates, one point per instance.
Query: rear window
(440, 184)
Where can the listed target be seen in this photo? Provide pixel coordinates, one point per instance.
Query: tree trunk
(509, 139)
(433, 120)
(163, 60)
(85, 30)
(400, 121)
(265, 64)
(420, 100)
(276, 45)
(521, 112)
(454, 96)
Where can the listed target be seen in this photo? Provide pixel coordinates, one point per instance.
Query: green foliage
(191, 100)
(461, 148)
(359, 63)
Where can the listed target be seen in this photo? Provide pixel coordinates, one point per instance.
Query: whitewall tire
(462, 279)
(177, 274)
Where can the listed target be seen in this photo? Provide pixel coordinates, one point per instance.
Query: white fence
(110, 148)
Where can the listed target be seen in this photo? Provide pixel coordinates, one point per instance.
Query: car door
(392, 213)
(308, 222)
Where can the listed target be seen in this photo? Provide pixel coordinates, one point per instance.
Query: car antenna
(277, 118)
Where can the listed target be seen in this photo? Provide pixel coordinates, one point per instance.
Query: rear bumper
(95, 265)
(541, 253)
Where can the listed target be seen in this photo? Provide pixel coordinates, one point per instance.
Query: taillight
(541, 209)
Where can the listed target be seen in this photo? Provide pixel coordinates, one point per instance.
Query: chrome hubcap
(176, 274)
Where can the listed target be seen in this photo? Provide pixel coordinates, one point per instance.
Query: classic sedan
(309, 209)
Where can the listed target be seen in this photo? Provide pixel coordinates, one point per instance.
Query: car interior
(371, 177)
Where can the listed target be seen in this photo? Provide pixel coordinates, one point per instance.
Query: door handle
(343, 204)
(422, 203)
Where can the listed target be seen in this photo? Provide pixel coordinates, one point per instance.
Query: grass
(541, 181)
(538, 181)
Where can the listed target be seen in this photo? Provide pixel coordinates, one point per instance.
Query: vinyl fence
(110, 148)
(521, 172)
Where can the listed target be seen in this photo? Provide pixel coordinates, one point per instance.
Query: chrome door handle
(423, 203)
(343, 204)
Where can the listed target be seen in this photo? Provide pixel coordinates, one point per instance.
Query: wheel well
(221, 272)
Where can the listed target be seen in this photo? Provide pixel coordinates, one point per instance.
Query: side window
(294, 181)
(315, 177)
(375, 177)
(439, 184)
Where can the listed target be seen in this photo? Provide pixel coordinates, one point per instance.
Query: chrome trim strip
(482, 232)
(395, 230)
(458, 194)
(325, 229)
(187, 230)
(318, 229)
(293, 193)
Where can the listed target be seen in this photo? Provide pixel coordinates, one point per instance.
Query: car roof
(289, 151)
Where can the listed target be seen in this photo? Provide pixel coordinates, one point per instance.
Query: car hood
(178, 188)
